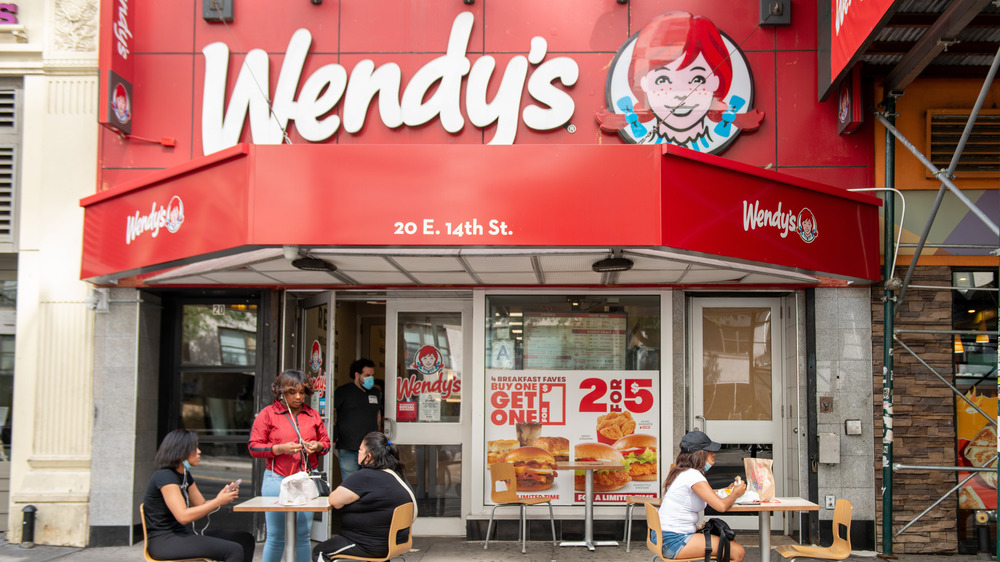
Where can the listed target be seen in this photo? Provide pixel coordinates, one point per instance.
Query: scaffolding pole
(888, 300)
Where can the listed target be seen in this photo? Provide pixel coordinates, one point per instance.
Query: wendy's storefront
(518, 210)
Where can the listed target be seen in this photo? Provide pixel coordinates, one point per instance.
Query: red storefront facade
(474, 158)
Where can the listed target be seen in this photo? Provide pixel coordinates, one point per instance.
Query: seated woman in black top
(366, 500)
(173, 503)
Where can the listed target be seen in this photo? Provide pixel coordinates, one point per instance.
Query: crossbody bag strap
(302, 456)
(405, 487)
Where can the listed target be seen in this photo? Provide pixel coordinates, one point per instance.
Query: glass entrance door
(313, 356)
(736, 386)
(428, 359)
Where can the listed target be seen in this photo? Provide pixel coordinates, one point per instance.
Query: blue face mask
(187, 465)
(708, 465)
(368, 382)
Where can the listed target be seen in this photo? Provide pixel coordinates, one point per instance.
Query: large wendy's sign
(435, 91)
(680, 81)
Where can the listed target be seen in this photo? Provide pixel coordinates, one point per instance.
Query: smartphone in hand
(234, 485)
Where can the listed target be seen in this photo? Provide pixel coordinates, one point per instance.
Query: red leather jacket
(273, 426)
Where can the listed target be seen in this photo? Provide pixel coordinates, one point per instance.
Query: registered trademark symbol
(571, 128)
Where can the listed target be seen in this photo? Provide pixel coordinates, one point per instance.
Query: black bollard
(28, 526)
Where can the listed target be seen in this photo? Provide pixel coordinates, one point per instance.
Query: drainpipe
(812, 422)
(888, 305)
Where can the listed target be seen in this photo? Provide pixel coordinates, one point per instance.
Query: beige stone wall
(50, 465)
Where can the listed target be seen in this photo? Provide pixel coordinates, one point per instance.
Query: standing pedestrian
(274, 437)
(358, 406)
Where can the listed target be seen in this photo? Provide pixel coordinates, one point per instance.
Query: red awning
(475, 196)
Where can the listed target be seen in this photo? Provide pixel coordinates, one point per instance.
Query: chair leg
(552, 519)
(628, 527)
(490, 527)
(524, 529)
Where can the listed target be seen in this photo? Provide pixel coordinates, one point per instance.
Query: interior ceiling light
(614, 263)
(313, 264)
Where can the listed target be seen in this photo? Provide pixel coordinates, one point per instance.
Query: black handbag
(319, 478)
(716, 526)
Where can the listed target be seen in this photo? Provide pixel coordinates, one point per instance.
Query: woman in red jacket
(275, 439)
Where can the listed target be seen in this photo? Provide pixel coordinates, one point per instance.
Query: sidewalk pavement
(457, 549)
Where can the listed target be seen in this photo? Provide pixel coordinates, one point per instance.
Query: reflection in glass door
(217, 373)
(736, 386)
(424, 404)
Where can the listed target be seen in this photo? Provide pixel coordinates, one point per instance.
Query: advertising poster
(977, 446)
(539, 418)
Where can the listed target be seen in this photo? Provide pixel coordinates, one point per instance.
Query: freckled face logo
(122, 105)
(807, 229)
(428, 360)
(315, 357)
(175, 214)
(680, 81)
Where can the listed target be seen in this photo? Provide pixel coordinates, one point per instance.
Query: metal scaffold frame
(892, 284)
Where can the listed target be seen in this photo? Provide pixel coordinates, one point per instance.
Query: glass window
(592, 332)
(219, 404)
(435, 474)
(974, 311)
(430, 356)
(6, 393)
(219, 334)
(736, 363)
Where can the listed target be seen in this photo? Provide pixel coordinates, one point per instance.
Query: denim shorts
(673, 543)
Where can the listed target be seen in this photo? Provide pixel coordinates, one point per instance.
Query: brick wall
(924, 420)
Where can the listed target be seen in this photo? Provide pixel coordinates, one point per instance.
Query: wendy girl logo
(428, 360)
(680, 81)
(315, 357)
(807, 229)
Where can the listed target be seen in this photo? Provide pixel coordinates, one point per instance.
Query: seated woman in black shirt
(366, 500)
(173, 503)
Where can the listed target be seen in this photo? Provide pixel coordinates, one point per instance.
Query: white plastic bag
(297, 489)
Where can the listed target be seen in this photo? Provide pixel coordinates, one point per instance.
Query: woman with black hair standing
(173, 503)
(366, 500)
(276, 438)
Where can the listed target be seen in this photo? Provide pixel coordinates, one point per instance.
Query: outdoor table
(588, 513)
(270, 503)
(764, 509)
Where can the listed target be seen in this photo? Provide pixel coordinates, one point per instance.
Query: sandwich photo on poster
(538, 419)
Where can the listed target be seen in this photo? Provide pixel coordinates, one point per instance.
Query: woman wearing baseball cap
(687, 493)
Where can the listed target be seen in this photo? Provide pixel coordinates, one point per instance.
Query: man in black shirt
(358, 407)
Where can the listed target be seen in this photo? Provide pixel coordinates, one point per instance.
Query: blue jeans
(275, 544)
(673, 543)
(348, 463)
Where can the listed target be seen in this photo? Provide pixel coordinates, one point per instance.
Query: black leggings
(221, 544)
(339, 545)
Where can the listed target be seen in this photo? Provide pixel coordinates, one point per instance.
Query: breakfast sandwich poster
(977, 447)
(537, 419)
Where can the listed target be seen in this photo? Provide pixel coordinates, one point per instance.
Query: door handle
(390, 427)
(704, 424)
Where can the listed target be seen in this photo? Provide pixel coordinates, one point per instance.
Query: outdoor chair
(145, 551)
(841, 547)
(506, 494)
(402, 520)
(654, 537)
